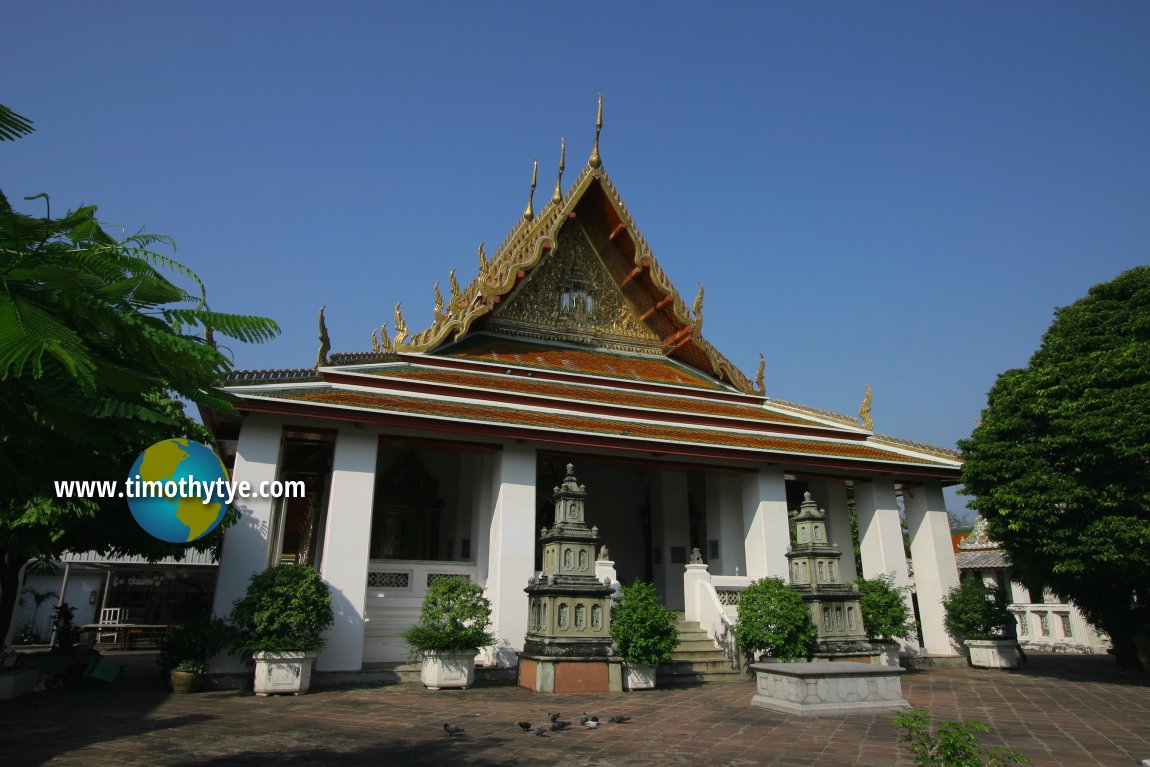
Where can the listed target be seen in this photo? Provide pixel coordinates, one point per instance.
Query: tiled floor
(1058, 710)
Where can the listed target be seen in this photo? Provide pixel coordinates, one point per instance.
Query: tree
(97, 348)
(1059, 465)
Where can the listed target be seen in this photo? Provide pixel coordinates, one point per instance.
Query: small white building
(1043, 622)
(435, 453)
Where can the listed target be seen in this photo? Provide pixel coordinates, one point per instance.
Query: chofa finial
(529, 213)
(864, 411)
(400, 326)
(557, 195)
(760, 387)
(324, 340)
(595, 160)
(482, 258)
(698, 310)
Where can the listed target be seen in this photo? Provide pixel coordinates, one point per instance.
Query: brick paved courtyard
(1059, 710)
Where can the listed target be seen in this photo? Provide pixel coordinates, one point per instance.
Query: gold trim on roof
(529, 213)
(922, 447)
(557, 195)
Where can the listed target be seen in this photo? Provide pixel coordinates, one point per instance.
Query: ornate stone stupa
(568, 643)
(814, 562)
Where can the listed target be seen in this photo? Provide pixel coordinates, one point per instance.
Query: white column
(766, 533)
(346, 542)
(245, 550)
(672, 529)
(832, 496)
(880, 530)
(934, 570)
(510, 547)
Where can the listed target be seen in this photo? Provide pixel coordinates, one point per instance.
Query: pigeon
(584, 718)
(452, 729)
(619, 719)
(541, 732)
(525, 726)
(553, 717)
(591, 724)
(558, 726)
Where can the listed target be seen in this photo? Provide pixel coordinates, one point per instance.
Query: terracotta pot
(184, 682)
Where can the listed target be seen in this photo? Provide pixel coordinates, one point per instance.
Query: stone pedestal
(827, 689)
(561, 675)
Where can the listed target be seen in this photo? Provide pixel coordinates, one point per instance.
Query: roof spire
(482, 258)
(557, 196)
(864, 411)
(529, 212)
(760, 388)
(324, 340)
(595, 160)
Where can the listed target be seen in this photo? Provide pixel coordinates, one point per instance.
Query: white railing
(1056, 627)
(395, 591)
(712, 601)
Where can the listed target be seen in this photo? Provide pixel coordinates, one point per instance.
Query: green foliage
(1058, 463)
(884, 608)
(454, 617)
(286, 608)
(642, 627)
(192, 667)
(975, 611)
(774, 620)
(98, 344)
(950, 744)
(197, 639)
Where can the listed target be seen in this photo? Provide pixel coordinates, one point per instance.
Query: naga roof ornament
(864, 411)
(324, 340)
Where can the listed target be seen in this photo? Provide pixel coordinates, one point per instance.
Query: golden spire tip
(557, 195)
(595, 160)
(529, 212)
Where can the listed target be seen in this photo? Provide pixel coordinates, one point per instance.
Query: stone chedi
(814, 564)
(568, 643)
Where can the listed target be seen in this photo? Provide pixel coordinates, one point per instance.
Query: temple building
(435, 454)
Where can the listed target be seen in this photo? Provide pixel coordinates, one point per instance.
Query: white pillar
(672, 529)
(880, 530)
(245, 550)
(934, 570)
(766, 532)
(346, 542)
(510, 542)
(832, 496)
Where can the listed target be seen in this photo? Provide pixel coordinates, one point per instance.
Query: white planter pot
(993, 653)
(283, 672)
(448, 669)
(636, 676)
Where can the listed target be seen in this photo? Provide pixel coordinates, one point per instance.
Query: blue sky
(886, 193)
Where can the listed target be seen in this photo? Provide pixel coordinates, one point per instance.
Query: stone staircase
(697, 659)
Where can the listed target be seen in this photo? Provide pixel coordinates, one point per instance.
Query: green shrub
(884, 608)
(197, 639)
(454, 617)
(286, 608)
(950, 744)
(974, 611)
(774, 620)
(191, 667)
(642, 627)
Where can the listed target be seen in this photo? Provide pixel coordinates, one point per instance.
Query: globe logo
(176, 490)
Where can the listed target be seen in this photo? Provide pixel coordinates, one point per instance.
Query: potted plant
(886, 616)
(452, 626)
(188, 676)
(280, 620)
(774, 621)
(976, 615)
(192, 643)
(644, 632)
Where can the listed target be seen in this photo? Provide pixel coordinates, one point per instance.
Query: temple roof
(573, 333)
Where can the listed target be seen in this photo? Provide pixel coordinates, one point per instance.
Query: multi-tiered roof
(572, 334)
